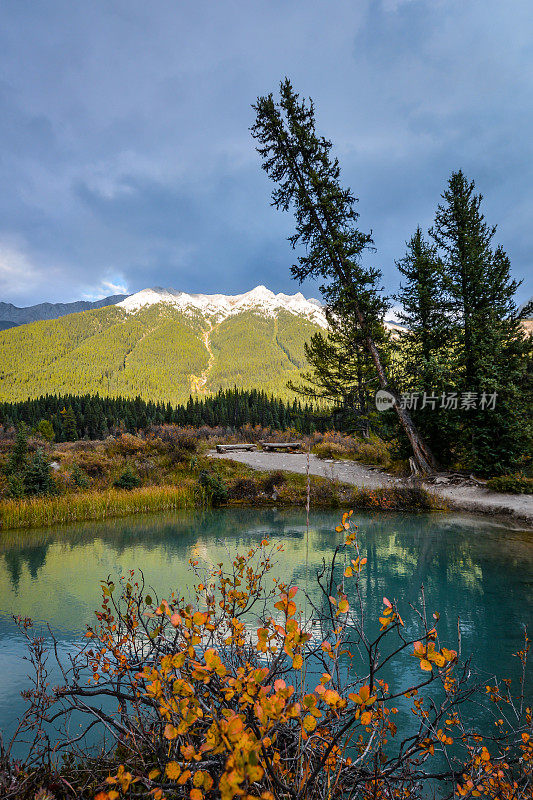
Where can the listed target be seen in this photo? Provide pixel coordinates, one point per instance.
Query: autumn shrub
(274, 480)
(236, 691)
(95, 464)
(374, 451)
(394, 498)
(514, 484)
(324, 493)
(334, 445)
(126, 445)
(333, 450)
(243, 489)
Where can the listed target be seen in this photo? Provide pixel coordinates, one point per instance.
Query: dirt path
(464, 498)
(198, 382)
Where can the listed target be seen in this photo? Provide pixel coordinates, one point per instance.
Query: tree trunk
(421, 452)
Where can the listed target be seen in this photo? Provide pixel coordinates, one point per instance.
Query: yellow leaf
(425, 664)
(152, 775)
(439, 659)
(309, 723)
(297, 662)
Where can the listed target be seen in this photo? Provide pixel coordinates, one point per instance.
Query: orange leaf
(170, 731)
(172, 770)
(184, 777)
(425, 664)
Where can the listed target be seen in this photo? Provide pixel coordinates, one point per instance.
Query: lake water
(471, 569)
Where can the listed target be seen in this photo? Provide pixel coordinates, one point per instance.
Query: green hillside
(159, 353)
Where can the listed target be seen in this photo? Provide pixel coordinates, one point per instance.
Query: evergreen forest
(71, 417)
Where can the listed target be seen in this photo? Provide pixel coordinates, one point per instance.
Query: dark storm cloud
(125, 155)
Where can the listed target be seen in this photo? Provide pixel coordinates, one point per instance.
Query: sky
(126, 159)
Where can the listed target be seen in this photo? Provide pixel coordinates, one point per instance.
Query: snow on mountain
(222, 306)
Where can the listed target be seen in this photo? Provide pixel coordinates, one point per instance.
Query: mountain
(11, 315)
(162, 345)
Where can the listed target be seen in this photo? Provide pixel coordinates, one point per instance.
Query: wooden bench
(224, 448)
(271, 447)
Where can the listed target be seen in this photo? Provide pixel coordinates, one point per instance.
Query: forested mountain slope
(163, 346)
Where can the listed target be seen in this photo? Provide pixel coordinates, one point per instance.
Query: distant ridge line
(11, 315)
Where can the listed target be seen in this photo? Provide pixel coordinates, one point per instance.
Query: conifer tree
(308, 180)
(424, 350)
(69, 424)
(492, 351)
(18, 458)
(37, 477)
(341, 374)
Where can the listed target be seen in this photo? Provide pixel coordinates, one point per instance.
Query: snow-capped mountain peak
(222, 306)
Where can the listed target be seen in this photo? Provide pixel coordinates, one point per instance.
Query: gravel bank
(464, 498)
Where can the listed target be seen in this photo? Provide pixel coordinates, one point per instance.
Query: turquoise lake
(478, 575)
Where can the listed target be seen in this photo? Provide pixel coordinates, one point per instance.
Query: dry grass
(340, 446)
(41, 511)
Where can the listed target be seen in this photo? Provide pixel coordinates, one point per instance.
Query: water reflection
(470, 569)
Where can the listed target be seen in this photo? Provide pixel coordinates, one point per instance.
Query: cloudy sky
(126, 159)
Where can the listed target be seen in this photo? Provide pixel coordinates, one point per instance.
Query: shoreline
(334, 484)
(515, 508)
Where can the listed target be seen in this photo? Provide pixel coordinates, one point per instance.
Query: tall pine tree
(424, 363)
(492, 351)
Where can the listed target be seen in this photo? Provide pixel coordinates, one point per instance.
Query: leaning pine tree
(299, 161)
